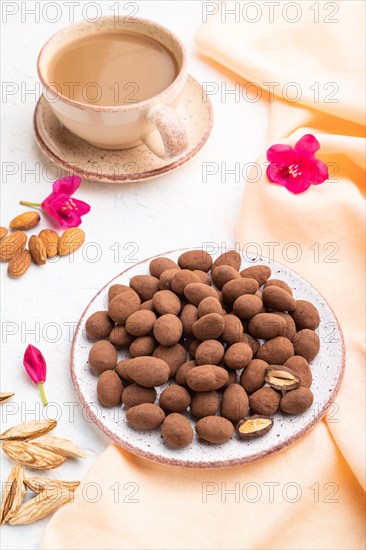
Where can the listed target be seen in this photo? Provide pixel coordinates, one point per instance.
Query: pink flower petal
(82, 207)
(68, 218)
(297, 185)
(51, 210)
(274, 173)
(281, 153)
(61, 206)
(296, 168)
(320, 173)
(307, 145)
(67, 185)
(55, 200)
(314, 170)
(35, 364)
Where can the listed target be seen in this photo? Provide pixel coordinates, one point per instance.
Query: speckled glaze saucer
(138, 163)
(327, 370)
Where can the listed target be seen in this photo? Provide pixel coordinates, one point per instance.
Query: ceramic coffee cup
(153, 121)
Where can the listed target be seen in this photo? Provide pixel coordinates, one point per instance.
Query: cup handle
(172, 132)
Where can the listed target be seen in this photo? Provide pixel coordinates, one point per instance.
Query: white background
(173, 211)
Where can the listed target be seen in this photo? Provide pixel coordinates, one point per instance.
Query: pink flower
(35, 365)
(296, 168)
(60, 204)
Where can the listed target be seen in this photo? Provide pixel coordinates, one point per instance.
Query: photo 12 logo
(89, 92)
(270, 491)
(49, 171)
(252, 92)
(68, 11)
(250, 172)
(271, 12)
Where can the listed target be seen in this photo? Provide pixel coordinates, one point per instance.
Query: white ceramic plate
(327, 371)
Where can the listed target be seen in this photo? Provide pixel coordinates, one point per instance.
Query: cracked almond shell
(41, 506)
(13, 494)
(28, 430)
(59, 445)
(31, 456)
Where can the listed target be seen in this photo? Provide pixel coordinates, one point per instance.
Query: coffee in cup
(112, 68)
(117, 83)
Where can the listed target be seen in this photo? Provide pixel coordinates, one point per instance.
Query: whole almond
(37, 250)
(40, 506)
(70, 240)
(25, 221)
(3, 232)
(19, 263)
(50, 239)
(11, 244)
(31, 456)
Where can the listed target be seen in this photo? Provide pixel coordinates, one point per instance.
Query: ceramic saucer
(126, 165)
